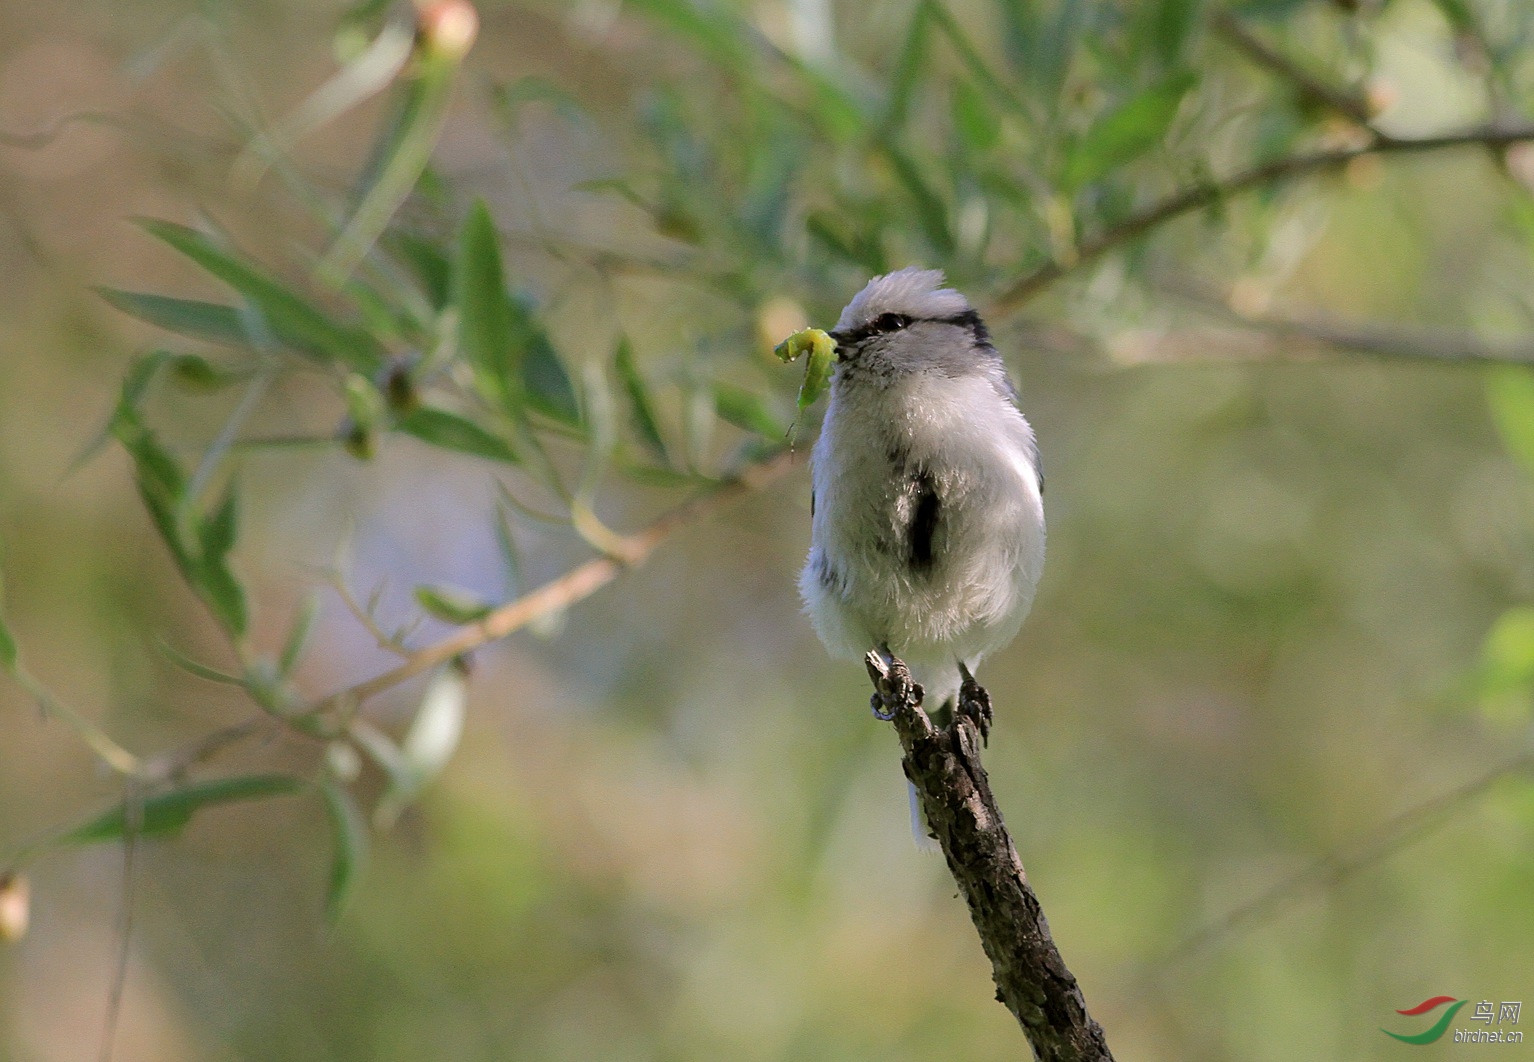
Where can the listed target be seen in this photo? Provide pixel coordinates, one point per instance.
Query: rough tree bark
(944, 766)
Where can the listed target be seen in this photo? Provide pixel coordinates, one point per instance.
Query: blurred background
(1284, 604)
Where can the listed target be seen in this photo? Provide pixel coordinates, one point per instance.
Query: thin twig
(1196, 198)
(44, 137)
(227, 436)
(172, 765)
(1032, 980)
(1336, 867)
(575, 585)
(133, 822)
(107, 750)
(393, 643)
(1344, 103)
(1366, 337)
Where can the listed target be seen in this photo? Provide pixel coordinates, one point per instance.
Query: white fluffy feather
(923, 401)
(911, 291)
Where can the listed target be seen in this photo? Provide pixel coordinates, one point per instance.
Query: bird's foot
(876, 702)
(893, 685)
(975, 703)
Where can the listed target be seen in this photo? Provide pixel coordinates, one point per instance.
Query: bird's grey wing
(1002, 382)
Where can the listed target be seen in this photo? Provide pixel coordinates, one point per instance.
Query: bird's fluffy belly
(862, 584)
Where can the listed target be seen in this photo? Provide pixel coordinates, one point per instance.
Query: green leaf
(514, 361)
(830, 230)
(162, 487)
(393, 318)
(1171, 23)
(212, 576)
(194, 667)
(452, 605)
(511, 558)
(747, 411)
(1507, 657)
(978, 124)
(452, 432)
(168, 813)
(427, 261)
(547, 383)
(908, 67)
(641, 412)
(714, 33)
(298, 637)
(931, 212)
(484, 311)
(210, 321)
(1458, 14)
(140, 375)
(8, 654)
(510, 99)
(836, 110)
(1127, 133)
(618, 186)
(402, 155)
(220, 530)
(977, 68)
(224, 595)
(197, 373)
(1042, 45)
(349, 838)
(365, 404)
(1510, 393)
(292, 320)
(161, 482)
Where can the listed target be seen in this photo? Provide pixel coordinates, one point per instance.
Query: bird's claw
(975, 703)
(893, 685)
(881, 713)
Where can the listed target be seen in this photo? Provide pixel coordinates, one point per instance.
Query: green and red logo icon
(1438, 1028)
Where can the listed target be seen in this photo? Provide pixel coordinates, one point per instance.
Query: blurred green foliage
(1287, 601)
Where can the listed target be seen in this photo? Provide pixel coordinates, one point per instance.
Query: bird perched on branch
(927, 534)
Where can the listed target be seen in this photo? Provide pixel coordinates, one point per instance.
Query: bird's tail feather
(921, 833)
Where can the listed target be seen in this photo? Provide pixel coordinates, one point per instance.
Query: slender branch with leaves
(1067, 160)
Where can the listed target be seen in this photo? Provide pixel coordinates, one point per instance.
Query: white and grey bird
(927, 514)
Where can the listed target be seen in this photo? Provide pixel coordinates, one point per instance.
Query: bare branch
(1310, 87)
(133, 821)
(1394, 341)
(944, 766)
(366, 615)
(107, 750)
(575, 585)
(1317, 333)
(1333, 869)
(1190, 200)
(171, 765)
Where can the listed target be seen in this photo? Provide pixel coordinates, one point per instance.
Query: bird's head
(906, 321)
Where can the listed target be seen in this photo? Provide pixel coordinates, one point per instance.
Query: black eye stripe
(894, 322)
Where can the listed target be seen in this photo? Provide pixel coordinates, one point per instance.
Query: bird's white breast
(859, 586)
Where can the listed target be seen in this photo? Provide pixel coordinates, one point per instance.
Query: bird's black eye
(891, 322)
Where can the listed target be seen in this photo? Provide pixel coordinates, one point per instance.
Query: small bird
(927, 516)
